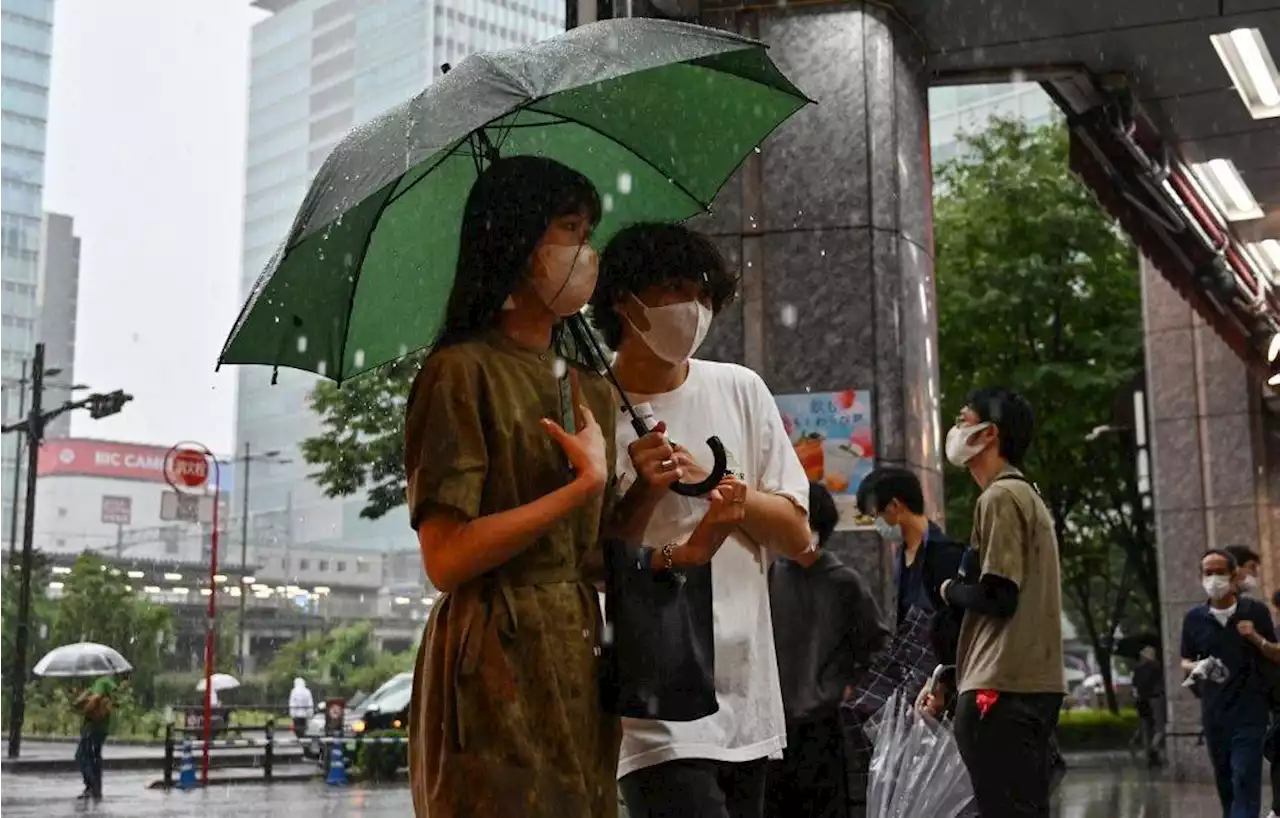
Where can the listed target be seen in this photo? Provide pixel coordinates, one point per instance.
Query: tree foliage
(1038, 290)
(344, 659)
(97, 605)
(361, 445)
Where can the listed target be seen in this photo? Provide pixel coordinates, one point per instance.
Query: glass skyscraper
(27, 35)
(958, 109)
(319, 68)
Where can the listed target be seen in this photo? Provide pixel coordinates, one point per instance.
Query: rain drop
(348, 260)
(302, 343)
(321, 368)
(624, 183)
(606, 202)
(560, 367)
(358, 358)
(789, 316)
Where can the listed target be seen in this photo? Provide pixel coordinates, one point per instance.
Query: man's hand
(1249, 632)
(655, 461)
(932, 700)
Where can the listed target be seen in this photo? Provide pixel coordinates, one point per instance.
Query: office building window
(362, 567)
(324, 565)
(340, 566)
(304, 565)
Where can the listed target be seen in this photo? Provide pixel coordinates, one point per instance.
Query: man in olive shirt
(1009, 661)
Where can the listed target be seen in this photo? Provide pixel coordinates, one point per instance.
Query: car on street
(386, 708)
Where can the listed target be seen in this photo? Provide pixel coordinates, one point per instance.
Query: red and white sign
(187, 468)
(100, 458)
(118, 510)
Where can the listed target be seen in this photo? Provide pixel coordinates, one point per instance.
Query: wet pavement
(1122, 792)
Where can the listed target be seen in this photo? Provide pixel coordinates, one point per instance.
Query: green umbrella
(657, 114)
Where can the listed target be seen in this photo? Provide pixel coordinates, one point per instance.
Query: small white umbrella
(82, 659)
(221, 681)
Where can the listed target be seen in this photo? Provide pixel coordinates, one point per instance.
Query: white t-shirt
(732, 403)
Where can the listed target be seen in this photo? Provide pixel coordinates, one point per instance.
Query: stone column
(831, 226)
(1210, 478)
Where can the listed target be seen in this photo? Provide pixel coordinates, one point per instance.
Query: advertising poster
(831, 432)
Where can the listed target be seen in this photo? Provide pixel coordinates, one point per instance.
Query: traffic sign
(186, 469)
(177, 507)
(118, 510)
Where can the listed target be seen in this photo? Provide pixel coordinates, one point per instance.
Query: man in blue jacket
(1235, 710)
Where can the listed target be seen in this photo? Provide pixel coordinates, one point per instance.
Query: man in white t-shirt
(660, 286)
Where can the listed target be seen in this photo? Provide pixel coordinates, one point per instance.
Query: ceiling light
(1253, 73)
(322, 589)
(136, 575)
(57, 586)
(235, 591)
(1267, 252)
(248, 580)
(152, 589)
(258, 587)
(60, 569)
(402, 600)
(206, 592)
(177, 589)
(1227, 189)
(173, 577)
(219, 578)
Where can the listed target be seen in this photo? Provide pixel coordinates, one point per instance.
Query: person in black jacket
(924, 558)
(827, 627)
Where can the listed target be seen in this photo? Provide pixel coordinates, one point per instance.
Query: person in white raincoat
(301, 706)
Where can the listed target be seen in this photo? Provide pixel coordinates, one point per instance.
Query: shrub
(381, 761)
(1097, 729)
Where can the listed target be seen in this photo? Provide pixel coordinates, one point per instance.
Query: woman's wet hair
(657, 254)
(508, 210)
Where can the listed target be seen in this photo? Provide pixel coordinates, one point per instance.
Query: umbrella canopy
(657, 114)
(82, 659)
(221, 681)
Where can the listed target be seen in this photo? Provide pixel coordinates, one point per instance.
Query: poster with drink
(831, 432)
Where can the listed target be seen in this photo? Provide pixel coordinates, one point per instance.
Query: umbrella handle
(718, 469)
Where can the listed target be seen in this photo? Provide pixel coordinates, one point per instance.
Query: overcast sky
(146, 151)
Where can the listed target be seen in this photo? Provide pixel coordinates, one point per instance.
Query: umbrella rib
(669, 176)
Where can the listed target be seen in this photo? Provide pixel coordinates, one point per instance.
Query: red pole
(209, 626)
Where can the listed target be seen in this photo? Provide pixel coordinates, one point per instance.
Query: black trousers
(89, 757)
(1009, 752)
(696, 788)
(811, 779)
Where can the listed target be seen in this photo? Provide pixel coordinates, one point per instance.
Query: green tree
(41, 618)
(98, 606)
(343, 660)
(361, 445)
(1038, 290)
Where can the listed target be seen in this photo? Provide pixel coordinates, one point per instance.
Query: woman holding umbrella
(509, 477)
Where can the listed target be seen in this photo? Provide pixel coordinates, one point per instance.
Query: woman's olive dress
(506, 718)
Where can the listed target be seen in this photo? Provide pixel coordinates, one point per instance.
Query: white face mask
(959, 448)
(1249, 584)
(675, 331)
(564, 276)
(890, 533)
(1216, 587)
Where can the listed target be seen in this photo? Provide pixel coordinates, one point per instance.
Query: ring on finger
(668, 464)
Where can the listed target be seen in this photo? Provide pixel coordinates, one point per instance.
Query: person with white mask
(1233, 631)
(1009, 663)
(1247, 565)
(660, 288)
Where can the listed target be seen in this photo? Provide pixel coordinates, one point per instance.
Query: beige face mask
(564, 276)
(961, 448)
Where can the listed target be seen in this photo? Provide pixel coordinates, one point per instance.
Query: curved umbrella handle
(718, 470)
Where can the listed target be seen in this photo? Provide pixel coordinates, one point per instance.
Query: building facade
(58, 300)
(318, 69)
(27, 37)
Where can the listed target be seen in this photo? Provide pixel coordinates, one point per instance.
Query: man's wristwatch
(668, 557)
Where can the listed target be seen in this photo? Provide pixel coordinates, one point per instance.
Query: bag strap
(1021, 478)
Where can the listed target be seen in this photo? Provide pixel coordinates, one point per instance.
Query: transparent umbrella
(82, 659)
(221, 681)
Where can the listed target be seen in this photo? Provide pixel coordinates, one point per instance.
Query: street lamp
(50, 372)
(272, 456)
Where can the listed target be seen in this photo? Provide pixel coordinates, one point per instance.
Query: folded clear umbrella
(916, 768)
(82, 659)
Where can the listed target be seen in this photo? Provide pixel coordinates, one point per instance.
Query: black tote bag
(658, 656)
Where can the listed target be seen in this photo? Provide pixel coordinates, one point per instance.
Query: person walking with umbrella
(95, 704)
